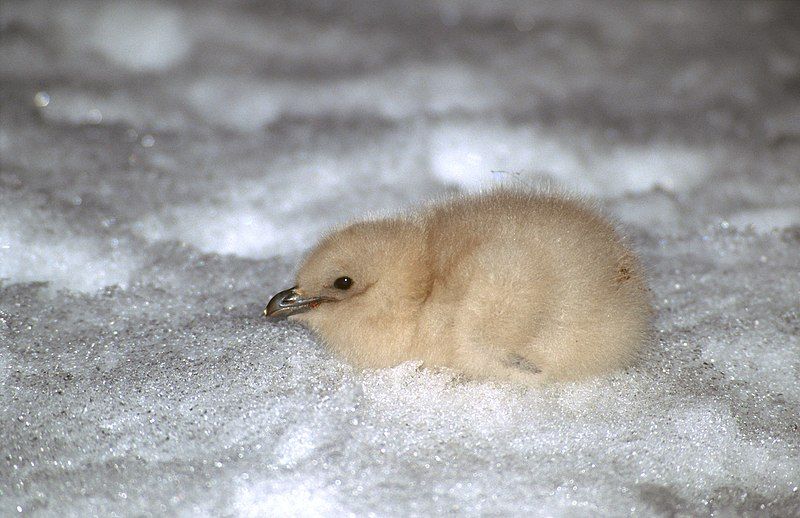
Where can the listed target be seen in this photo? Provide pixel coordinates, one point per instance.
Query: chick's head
(363, 270)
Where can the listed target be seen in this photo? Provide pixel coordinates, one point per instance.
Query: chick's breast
(529, 288)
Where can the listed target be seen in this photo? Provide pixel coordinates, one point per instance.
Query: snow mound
(472, 156)
(38, 243)
(140, 36)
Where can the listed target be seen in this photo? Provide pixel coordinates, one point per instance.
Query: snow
(165, 165)
(38, 243)
(247, 103)
(580, 161)
(140, 35)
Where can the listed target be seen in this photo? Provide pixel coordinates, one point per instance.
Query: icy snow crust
(164, 166)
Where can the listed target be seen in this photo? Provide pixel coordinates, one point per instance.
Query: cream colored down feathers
(505, 285)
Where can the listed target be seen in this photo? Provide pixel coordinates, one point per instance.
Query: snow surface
(163, 167)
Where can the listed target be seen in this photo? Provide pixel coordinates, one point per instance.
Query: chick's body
(504, 285)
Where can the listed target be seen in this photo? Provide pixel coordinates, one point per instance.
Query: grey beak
(289, 302)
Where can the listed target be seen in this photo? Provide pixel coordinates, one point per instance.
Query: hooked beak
(290, 302)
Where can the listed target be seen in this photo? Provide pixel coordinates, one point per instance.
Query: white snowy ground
(163, 166)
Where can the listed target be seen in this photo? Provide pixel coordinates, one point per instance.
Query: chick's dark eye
(343, 283)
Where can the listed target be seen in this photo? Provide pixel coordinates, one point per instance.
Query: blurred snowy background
(164, 165)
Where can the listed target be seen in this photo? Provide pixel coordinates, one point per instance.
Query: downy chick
(505, 285)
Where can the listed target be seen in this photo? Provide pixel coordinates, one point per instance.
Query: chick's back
(528, 287)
